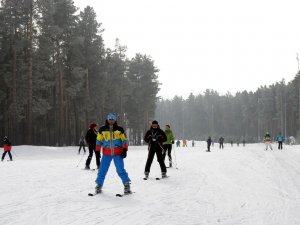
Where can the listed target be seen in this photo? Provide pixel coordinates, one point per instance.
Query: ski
(89, 169)
(93, 194)
(157, 178)
(121, 195)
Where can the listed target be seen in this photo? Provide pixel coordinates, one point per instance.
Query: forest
(243, 116)
(57, 75)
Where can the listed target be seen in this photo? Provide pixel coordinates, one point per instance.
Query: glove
(124, 153)
(172, 142)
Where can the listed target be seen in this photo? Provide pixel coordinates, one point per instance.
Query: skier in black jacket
(208, 143)
(155, 138)
(90, 139)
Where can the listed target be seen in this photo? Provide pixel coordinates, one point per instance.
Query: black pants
(81, 146)
(221, 145)
(168, 150)
(155, 149)
(279, 144)
(208, 147)
(97, 155)
(9, 154)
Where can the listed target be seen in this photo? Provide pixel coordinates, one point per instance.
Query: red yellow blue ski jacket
(112, 139)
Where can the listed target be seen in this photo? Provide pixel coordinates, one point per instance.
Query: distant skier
(193, 143)
(221, 142)
(177, 143)
(7, 148)
(244, 142)
(184, 143)
(167, 145)
(81, 144)
(209, 141)
(90, 138)
(155, 137)
(231, 142)
(280, 140)
(238, 143)
(268, 140)
(114, 144)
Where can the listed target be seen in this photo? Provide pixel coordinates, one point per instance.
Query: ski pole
(175, 160)
(14, 153)
(80, 160)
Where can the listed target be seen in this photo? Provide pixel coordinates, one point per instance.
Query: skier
(193, 143)
(221, 142)
(167, 145)
(268, 140)
(81, 144)
(90, 138)
(280, 139)
(208, 143)
(184, 143)
(114, 144)
(155, 137)
(244, 142)
(177, 143)
(231, 142)
(7, 148)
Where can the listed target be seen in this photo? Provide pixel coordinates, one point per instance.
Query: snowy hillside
(234, 186)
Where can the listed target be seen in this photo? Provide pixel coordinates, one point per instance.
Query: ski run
(234, 186)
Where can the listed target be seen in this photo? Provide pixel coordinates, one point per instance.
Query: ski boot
(146, 175)
(98, 189)
(127, 190)
(164, 175)
(170, 164)
(87, 167)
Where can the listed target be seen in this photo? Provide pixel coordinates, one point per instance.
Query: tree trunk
(29, 71)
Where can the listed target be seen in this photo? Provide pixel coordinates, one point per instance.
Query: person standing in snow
(177, 143)
(90, 138)
(209, 141)
(221, 142)
(155, 138)
(268, 140)
(280, 140)
(7, 148)
(167, 145)
(114, 143)
(244, 142)
(81, 144)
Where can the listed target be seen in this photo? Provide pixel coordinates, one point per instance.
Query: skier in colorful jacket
(280, 140)
(167, 145)
(268, 140)
(7, 148)
(114, 143)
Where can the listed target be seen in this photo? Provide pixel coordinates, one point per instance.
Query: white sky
(231, 45)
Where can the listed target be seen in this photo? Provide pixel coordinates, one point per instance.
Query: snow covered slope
(233, 186)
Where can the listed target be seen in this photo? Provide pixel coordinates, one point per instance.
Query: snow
(233, 186)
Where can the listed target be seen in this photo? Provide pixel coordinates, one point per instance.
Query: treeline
(57, 76)
(247, 115)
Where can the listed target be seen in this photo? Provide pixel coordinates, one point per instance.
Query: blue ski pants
(104, 166)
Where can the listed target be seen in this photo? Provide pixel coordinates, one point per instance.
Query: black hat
(154, 122)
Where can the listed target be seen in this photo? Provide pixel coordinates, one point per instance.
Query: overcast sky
(231, 45)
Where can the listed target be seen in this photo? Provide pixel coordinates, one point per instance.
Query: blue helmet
(111, 116)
